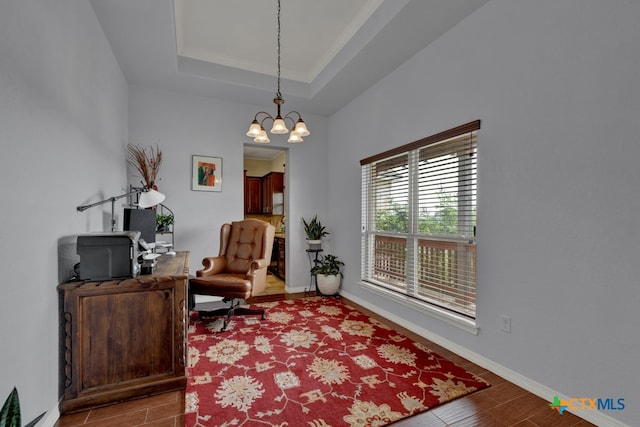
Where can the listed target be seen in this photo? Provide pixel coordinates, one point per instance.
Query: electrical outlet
(505, 322)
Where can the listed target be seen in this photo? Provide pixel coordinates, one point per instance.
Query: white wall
(183, 125)
(555, 84)
(63, 121)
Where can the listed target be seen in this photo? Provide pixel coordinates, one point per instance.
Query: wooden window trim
(429, 140)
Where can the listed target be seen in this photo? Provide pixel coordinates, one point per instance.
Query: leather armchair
(240, 269)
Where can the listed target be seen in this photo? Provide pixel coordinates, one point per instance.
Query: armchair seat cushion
(226, 285)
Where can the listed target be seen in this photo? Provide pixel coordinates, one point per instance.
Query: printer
(108, 255)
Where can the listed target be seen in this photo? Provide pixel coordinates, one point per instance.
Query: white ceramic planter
(328, 285)
(314, 244)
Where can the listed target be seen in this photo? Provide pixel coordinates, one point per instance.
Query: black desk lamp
(148, 198)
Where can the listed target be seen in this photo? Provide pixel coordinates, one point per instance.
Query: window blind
(419, 219)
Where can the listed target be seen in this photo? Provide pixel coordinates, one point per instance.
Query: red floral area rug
(314, 362)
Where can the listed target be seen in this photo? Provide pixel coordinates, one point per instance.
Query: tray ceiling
(332, 50)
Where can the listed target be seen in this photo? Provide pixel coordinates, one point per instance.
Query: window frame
(466, 319)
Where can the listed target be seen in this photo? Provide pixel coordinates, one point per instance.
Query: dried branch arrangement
(146, 161)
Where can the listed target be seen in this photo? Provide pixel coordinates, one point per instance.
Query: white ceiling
(332, 50)
(242, 34)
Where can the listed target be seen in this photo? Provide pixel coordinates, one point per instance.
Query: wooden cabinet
(264, 195)
(252, 194)
(122, 339)
(273, 193)
(278, 255)
(280, 247)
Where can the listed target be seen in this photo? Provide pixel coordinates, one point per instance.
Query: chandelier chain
(298, 128)
(278, 94)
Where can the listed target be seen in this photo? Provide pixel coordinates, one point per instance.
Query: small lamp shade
(301, 128)
(294, 137)
(279, 127)
(262, 137)
(150, 198)
(254, 129)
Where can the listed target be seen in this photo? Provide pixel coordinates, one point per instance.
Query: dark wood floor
(502, 404)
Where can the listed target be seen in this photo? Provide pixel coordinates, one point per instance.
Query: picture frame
(206, 173)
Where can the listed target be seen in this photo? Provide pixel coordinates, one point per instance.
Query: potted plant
(315, 231)
(147, 163)
(164, 222)
(328, 274)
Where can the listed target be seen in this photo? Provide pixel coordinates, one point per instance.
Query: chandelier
(298, 127)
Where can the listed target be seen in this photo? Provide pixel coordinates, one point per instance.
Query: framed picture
(206, 173)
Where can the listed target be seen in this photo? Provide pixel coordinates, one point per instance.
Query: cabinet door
(273, 193)
(277, 182)
(267, 194)
(277, 193)
(253, 195)
(124, 338)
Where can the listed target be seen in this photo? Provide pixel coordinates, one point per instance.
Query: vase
(328, 284)
(314, 244)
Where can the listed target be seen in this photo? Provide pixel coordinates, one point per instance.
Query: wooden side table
(122, 339)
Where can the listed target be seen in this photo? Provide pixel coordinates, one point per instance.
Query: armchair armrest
(212, 265)
(256, 266)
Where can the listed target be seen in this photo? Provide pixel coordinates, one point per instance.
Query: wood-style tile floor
(162, 410)
(503, 404)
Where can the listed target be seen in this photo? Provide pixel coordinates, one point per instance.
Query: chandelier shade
(294, 137)
(254, 129)
(301, 128)
(279, 127)
(279, 122)
(262, 137)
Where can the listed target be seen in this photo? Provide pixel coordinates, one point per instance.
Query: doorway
(265, 195)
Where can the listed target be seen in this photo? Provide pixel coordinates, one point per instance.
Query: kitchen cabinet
(252, 194)
(264, 195)
(273, 193)
(279, 253)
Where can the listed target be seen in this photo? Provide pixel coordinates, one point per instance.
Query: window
(419, 222)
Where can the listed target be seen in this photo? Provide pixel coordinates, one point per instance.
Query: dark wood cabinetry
(264, 195)
(252, 194)
(273, 193)
(278, 256)
(122, 339)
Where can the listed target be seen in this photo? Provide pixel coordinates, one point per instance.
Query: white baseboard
(51, 417)
(540, 390)
(295, 290)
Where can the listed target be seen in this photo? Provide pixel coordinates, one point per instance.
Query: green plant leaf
(10, 413)
(327, 265)
(314, 229)
(35, 421)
